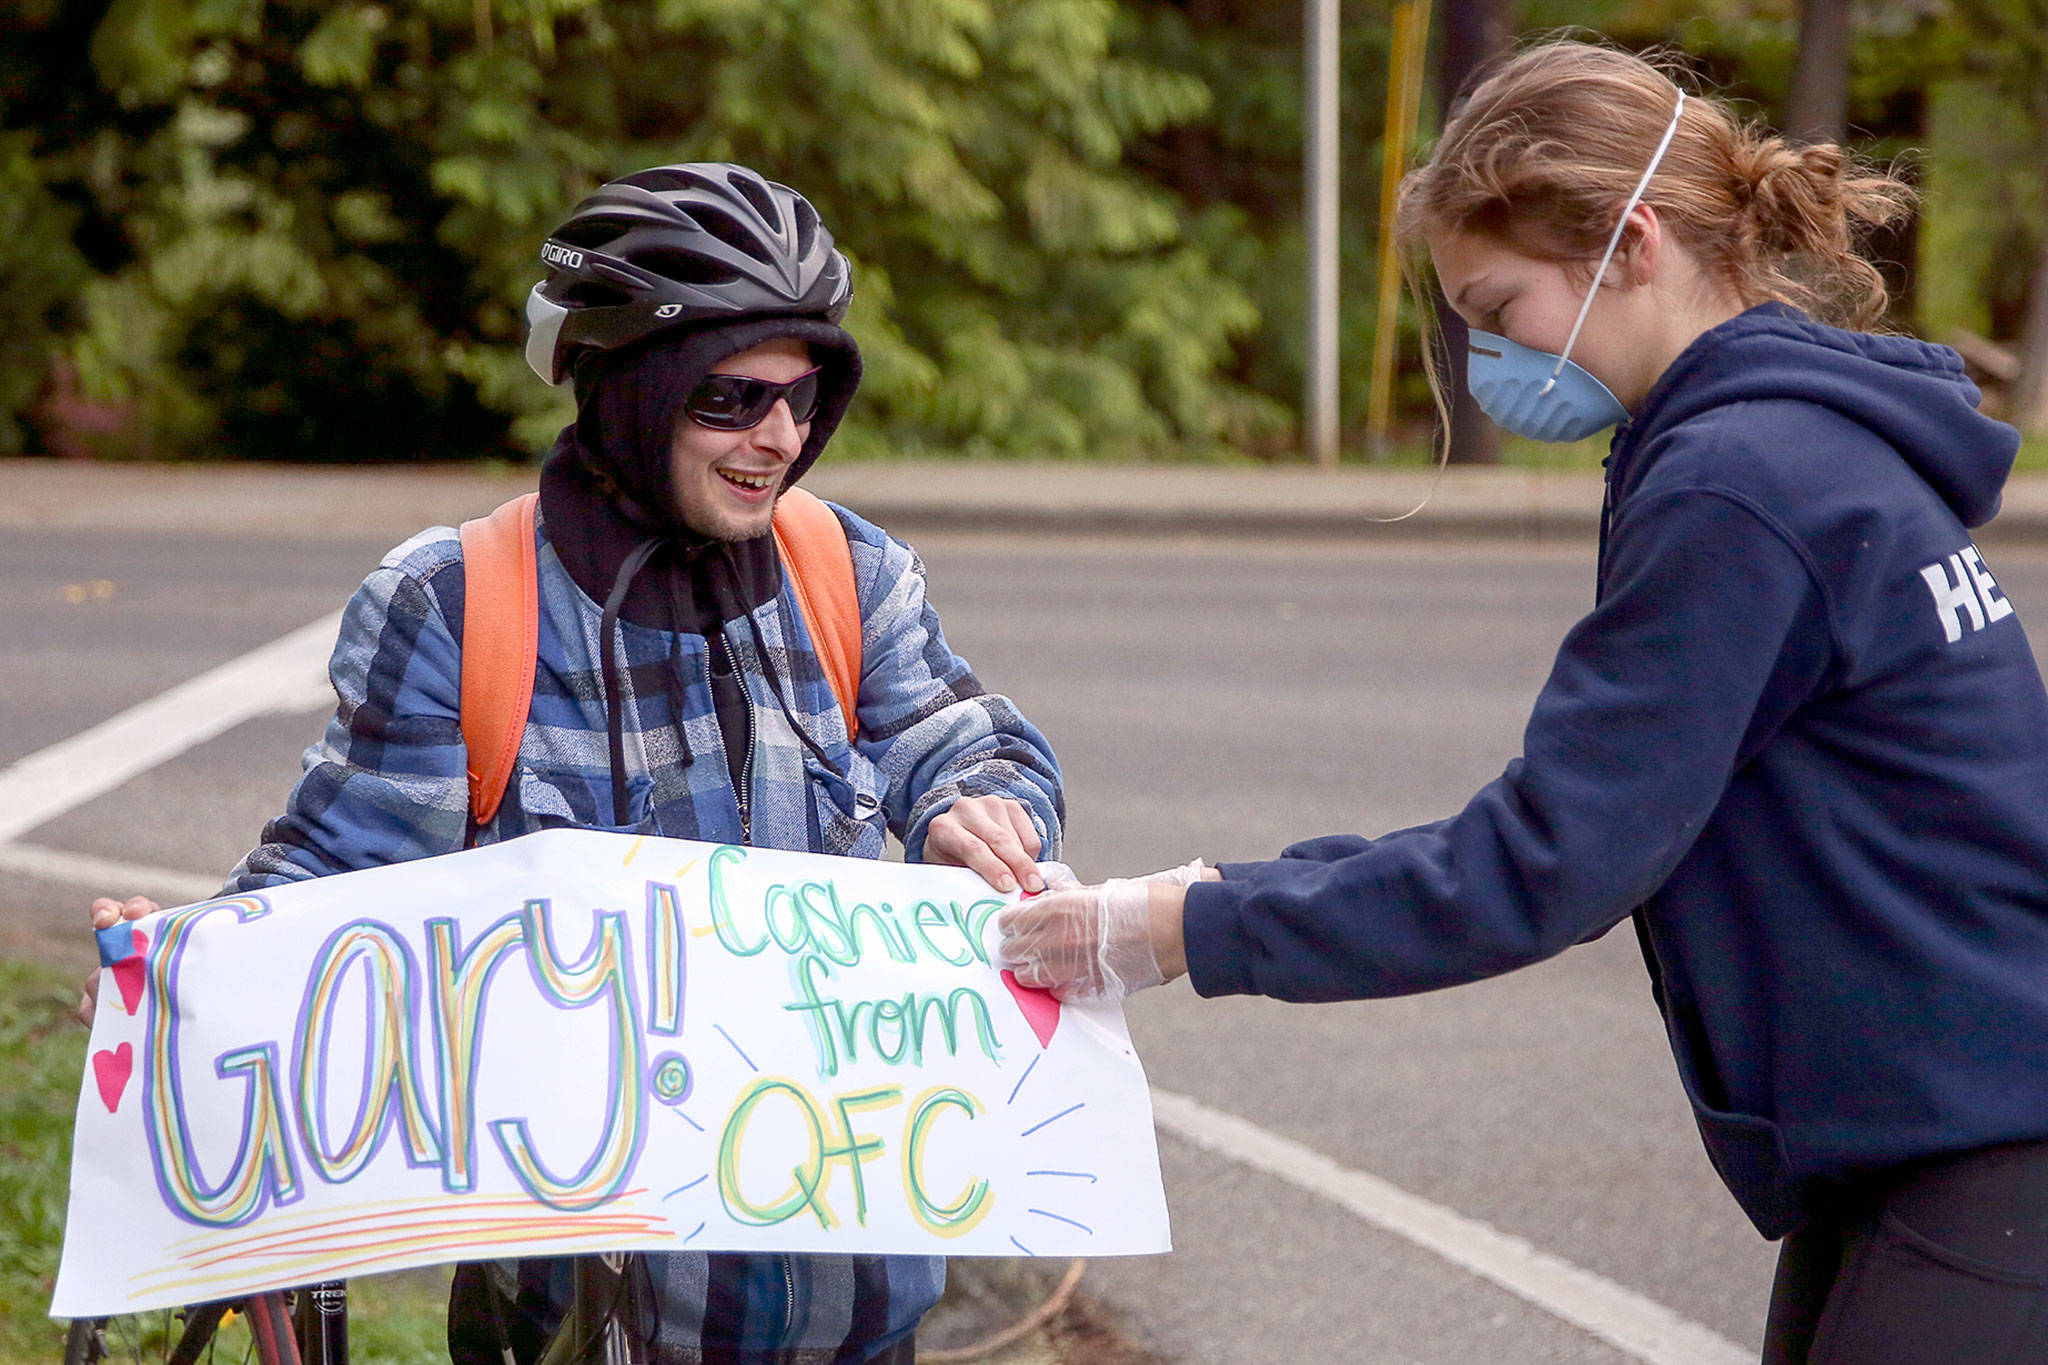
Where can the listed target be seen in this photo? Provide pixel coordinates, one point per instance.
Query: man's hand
(106, 913)
(992, 835)
(1097, 942)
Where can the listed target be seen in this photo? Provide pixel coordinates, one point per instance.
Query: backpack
(501, 625)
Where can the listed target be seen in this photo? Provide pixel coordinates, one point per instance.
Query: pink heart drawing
(128, 972)
(111, 1070)
(1041, 1007)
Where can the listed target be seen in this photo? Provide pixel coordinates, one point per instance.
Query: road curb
(978, 497)
(1263, 524)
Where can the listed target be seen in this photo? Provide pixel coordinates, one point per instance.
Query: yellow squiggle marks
(364, 1210)
(294, 1249)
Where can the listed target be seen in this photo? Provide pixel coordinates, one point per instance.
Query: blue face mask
(1536, 394)
(1541, 395)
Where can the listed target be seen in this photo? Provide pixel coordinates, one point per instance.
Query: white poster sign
(582, 1041)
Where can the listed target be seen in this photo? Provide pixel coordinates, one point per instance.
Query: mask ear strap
(1656, 159)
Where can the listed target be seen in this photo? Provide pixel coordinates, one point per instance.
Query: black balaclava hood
(606, 486)
(629, 402)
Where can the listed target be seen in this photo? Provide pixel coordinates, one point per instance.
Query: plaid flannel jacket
(387, 783)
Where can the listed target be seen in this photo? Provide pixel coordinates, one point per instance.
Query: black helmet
(662, 248)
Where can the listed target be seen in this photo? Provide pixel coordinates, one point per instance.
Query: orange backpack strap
(819, 563)
(500, 642)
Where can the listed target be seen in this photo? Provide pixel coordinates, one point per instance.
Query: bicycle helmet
(704, 242)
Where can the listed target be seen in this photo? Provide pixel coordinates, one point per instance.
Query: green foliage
(45, 275)
(1240, 171)
(1988, 229)
(305, 229)
(329, 213)
(1986, 212)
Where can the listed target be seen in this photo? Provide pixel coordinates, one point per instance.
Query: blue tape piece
(117, 942)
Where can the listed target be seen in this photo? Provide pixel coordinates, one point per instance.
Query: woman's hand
(1098, 942)
(992, 835)
(106, 913)
(1185, 874)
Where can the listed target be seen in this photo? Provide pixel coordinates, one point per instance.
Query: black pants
(1940, 1262)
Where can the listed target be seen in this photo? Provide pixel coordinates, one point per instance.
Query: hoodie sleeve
(1710, 628)
(925, 721)
(388, 781)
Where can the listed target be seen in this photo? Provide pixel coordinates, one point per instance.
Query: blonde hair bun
(1545, 150)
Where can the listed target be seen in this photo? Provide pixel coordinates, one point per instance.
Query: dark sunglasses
(735, 402)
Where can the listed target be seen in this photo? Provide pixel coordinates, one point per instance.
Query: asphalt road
(1213, 698)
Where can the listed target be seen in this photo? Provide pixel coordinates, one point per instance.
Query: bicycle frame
(307, 1326)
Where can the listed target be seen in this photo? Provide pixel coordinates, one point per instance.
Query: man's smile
(750, 482)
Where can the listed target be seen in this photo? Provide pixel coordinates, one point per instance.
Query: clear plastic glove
(1084, 942)
(1187, 874)
(1058, 876)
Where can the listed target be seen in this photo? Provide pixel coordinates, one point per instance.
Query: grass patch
(401, 1318)
(392, 1318)
(42, 1053)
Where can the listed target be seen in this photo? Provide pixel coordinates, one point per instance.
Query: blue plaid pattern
(387, 783)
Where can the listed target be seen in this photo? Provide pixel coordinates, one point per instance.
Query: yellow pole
(1404, 97)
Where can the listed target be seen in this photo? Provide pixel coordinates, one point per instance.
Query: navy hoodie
(1801, 736)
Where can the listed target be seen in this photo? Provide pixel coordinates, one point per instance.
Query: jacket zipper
(742, 792)
(746, 788)
(789, 1313)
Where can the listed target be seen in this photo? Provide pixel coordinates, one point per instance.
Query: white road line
(287, 674)
(107, 876)
(1619, 1316)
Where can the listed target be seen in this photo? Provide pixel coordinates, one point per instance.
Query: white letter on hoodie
(1949, 596)
(1995, 607)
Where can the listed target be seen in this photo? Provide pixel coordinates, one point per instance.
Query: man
(677, 689)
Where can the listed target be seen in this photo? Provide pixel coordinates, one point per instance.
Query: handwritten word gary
(436, 1123)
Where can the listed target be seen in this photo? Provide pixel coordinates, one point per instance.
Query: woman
(1801, 736)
